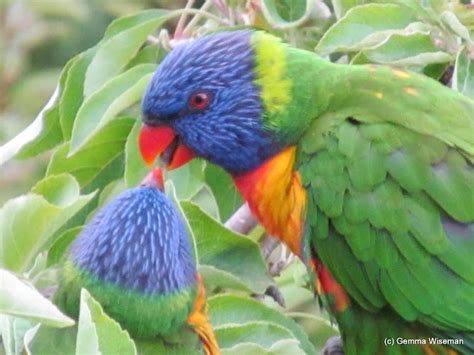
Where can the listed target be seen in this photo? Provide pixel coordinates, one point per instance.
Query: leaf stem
(198, 16)
(179, 31)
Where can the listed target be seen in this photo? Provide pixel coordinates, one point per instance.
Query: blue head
(138, 242)
(205, 91)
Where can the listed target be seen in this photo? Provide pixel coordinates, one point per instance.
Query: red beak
(154, 179)
(162, 141)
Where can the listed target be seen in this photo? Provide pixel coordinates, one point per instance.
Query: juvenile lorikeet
(365, 172)
(134, 257)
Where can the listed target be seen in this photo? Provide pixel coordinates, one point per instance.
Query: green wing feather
(390, 176)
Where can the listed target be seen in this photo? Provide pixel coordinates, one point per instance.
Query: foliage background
(80, 151)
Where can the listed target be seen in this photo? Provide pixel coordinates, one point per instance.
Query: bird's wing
(391, 214)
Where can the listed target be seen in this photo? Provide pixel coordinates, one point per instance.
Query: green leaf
(60, 246)
(188, 179)
(319, 329)
(293, 284)
(28, 222)
(227, 197)
(59, 190)
(450, 19)
(21, 300)
(158, 347)
(98, 333)
(410, 50)
(122, 41)
(110, 191)
(150, 54)
(231, 309)
(135, 167)
(280, 347)
(285, 14)
(262, 333)
(365, 26)
(41, 276)
(111, 172)
(95, 155)
(223, 249)
(118, 94)
(47, 137)
(44, 132)
(170, 191)
(342, 6)
(8, 339)
(206, 200)
(51, 341)
(214, 277)
(463, 76)
(73, 94)
(12, 330)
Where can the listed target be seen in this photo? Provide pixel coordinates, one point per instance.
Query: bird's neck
(277, 198)
(295, 87)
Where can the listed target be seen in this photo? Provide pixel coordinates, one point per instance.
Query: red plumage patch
(153, 141)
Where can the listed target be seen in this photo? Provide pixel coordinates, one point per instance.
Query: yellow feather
(270, 72)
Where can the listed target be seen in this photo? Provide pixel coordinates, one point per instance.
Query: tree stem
(242, 221)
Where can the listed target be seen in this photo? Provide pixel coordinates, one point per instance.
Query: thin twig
(164, 38)
(282, 262)
(268, 245)
(178, 33)
(197, 17)
(222, 6)
(153, 40)
(201, 12)
(242, 221)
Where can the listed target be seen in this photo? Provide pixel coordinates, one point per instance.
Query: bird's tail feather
(199, 320)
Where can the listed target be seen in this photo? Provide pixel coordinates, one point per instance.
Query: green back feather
(311, 87)
(387, 159)
(396, 236)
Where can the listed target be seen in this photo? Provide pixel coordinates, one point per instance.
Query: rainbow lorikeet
(365, 172)
(134, 257)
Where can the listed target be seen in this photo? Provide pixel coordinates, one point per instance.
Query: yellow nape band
(270, 72)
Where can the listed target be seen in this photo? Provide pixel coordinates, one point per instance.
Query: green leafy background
(81, 150)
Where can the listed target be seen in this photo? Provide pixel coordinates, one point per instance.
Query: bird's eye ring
(199, 100)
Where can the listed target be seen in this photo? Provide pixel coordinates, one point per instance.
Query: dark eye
(199, 100)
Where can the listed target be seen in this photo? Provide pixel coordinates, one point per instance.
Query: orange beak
(162, 141)
(154, 179)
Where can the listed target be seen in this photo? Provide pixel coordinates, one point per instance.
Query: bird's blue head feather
(229, 130)
(138, 242)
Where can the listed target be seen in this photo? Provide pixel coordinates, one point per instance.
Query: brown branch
(268, 245)
(242, 221)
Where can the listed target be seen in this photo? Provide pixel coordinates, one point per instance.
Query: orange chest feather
(277, 198)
